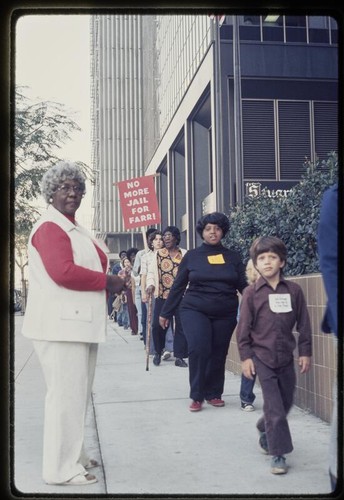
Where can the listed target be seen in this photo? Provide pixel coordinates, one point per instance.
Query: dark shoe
(263, 443)
(247, 407)
(278, 465)
(157, 359)
(216, 402)
(180, 362)
(195, 406)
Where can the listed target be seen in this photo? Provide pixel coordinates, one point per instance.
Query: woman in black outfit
(205, 290)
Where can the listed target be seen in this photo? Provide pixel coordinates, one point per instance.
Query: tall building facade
(117, 88)
(228, 105)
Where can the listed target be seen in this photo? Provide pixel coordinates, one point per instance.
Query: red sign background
(138, 201)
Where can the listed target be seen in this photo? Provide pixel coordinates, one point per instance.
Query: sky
(53, 59)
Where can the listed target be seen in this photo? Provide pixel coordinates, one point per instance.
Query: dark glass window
(318, 29)
(325, 128)
(163, 194)
(294, 138)
(226, 32)
(273, 34)
(249, 32)
(291, 127)
(296, 29)
(258, 139)
(273, 29)
(249, 28)
(334, 30)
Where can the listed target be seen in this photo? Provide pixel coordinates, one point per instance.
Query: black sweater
(208, 280)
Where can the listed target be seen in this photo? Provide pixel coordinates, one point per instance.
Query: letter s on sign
(253, 189)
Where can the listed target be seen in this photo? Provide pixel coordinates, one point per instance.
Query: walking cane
(149, 323)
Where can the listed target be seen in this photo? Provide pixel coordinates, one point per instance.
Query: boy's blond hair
(251, 272)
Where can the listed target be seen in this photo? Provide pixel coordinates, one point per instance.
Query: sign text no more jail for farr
(139, 202)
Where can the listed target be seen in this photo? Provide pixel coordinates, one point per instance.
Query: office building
(216, 107)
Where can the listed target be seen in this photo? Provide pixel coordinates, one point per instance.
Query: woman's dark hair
(131, 251)
(151, 237)
(217, 218)
(268, 244)
(174, 231)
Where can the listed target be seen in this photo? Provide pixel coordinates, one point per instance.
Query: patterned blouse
(167, 268)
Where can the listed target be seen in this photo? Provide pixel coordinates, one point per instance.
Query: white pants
(68, 369)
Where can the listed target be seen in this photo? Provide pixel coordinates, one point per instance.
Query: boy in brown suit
(269, 310)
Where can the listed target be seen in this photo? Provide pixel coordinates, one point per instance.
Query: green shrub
(294, 218)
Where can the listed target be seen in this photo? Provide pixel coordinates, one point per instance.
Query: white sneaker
(247, 407)
(166, 355)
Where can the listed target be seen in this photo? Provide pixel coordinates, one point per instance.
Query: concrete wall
(314, 389)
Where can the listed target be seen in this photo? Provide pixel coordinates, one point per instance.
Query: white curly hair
(57, 174)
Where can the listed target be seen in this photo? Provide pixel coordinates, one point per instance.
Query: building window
(249, 28)
(326, 128)
(279, 134)
(273, 29)
(294, 138)
(163, 194)
(285, 29)
(334, 31)
(318, 29)
(258, 139)
(295, 29)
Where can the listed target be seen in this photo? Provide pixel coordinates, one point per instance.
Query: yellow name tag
(216, 259)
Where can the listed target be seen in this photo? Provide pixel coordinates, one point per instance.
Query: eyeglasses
(66, 188)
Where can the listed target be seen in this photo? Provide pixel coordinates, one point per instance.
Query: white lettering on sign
(254, 189)
(139, 203)
(142, 218)
(135, 192)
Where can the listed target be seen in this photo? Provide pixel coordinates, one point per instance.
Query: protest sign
(138, 201)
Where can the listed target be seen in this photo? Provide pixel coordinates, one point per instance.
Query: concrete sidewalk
(140, 430)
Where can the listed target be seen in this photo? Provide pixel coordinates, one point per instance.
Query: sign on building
(275, 189)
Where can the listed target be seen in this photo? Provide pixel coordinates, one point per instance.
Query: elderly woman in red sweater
(66, 319)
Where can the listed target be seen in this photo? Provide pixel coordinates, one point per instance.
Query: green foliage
(40, 130)
(294, 219)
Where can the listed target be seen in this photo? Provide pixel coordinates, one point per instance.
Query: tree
(294, 218)
(40, 130)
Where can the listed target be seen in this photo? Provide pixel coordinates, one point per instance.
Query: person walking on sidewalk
(161, 274)
(129, 306)
(328, 259)
(136, 272)
(269, 310)
(206, 293)
(246, 394)
(66, 318)
(154, 242)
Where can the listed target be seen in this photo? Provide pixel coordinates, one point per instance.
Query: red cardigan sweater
(55, 250)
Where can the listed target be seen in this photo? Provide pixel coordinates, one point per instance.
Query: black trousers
(208, 341)
(278, 385)
(180, 347)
